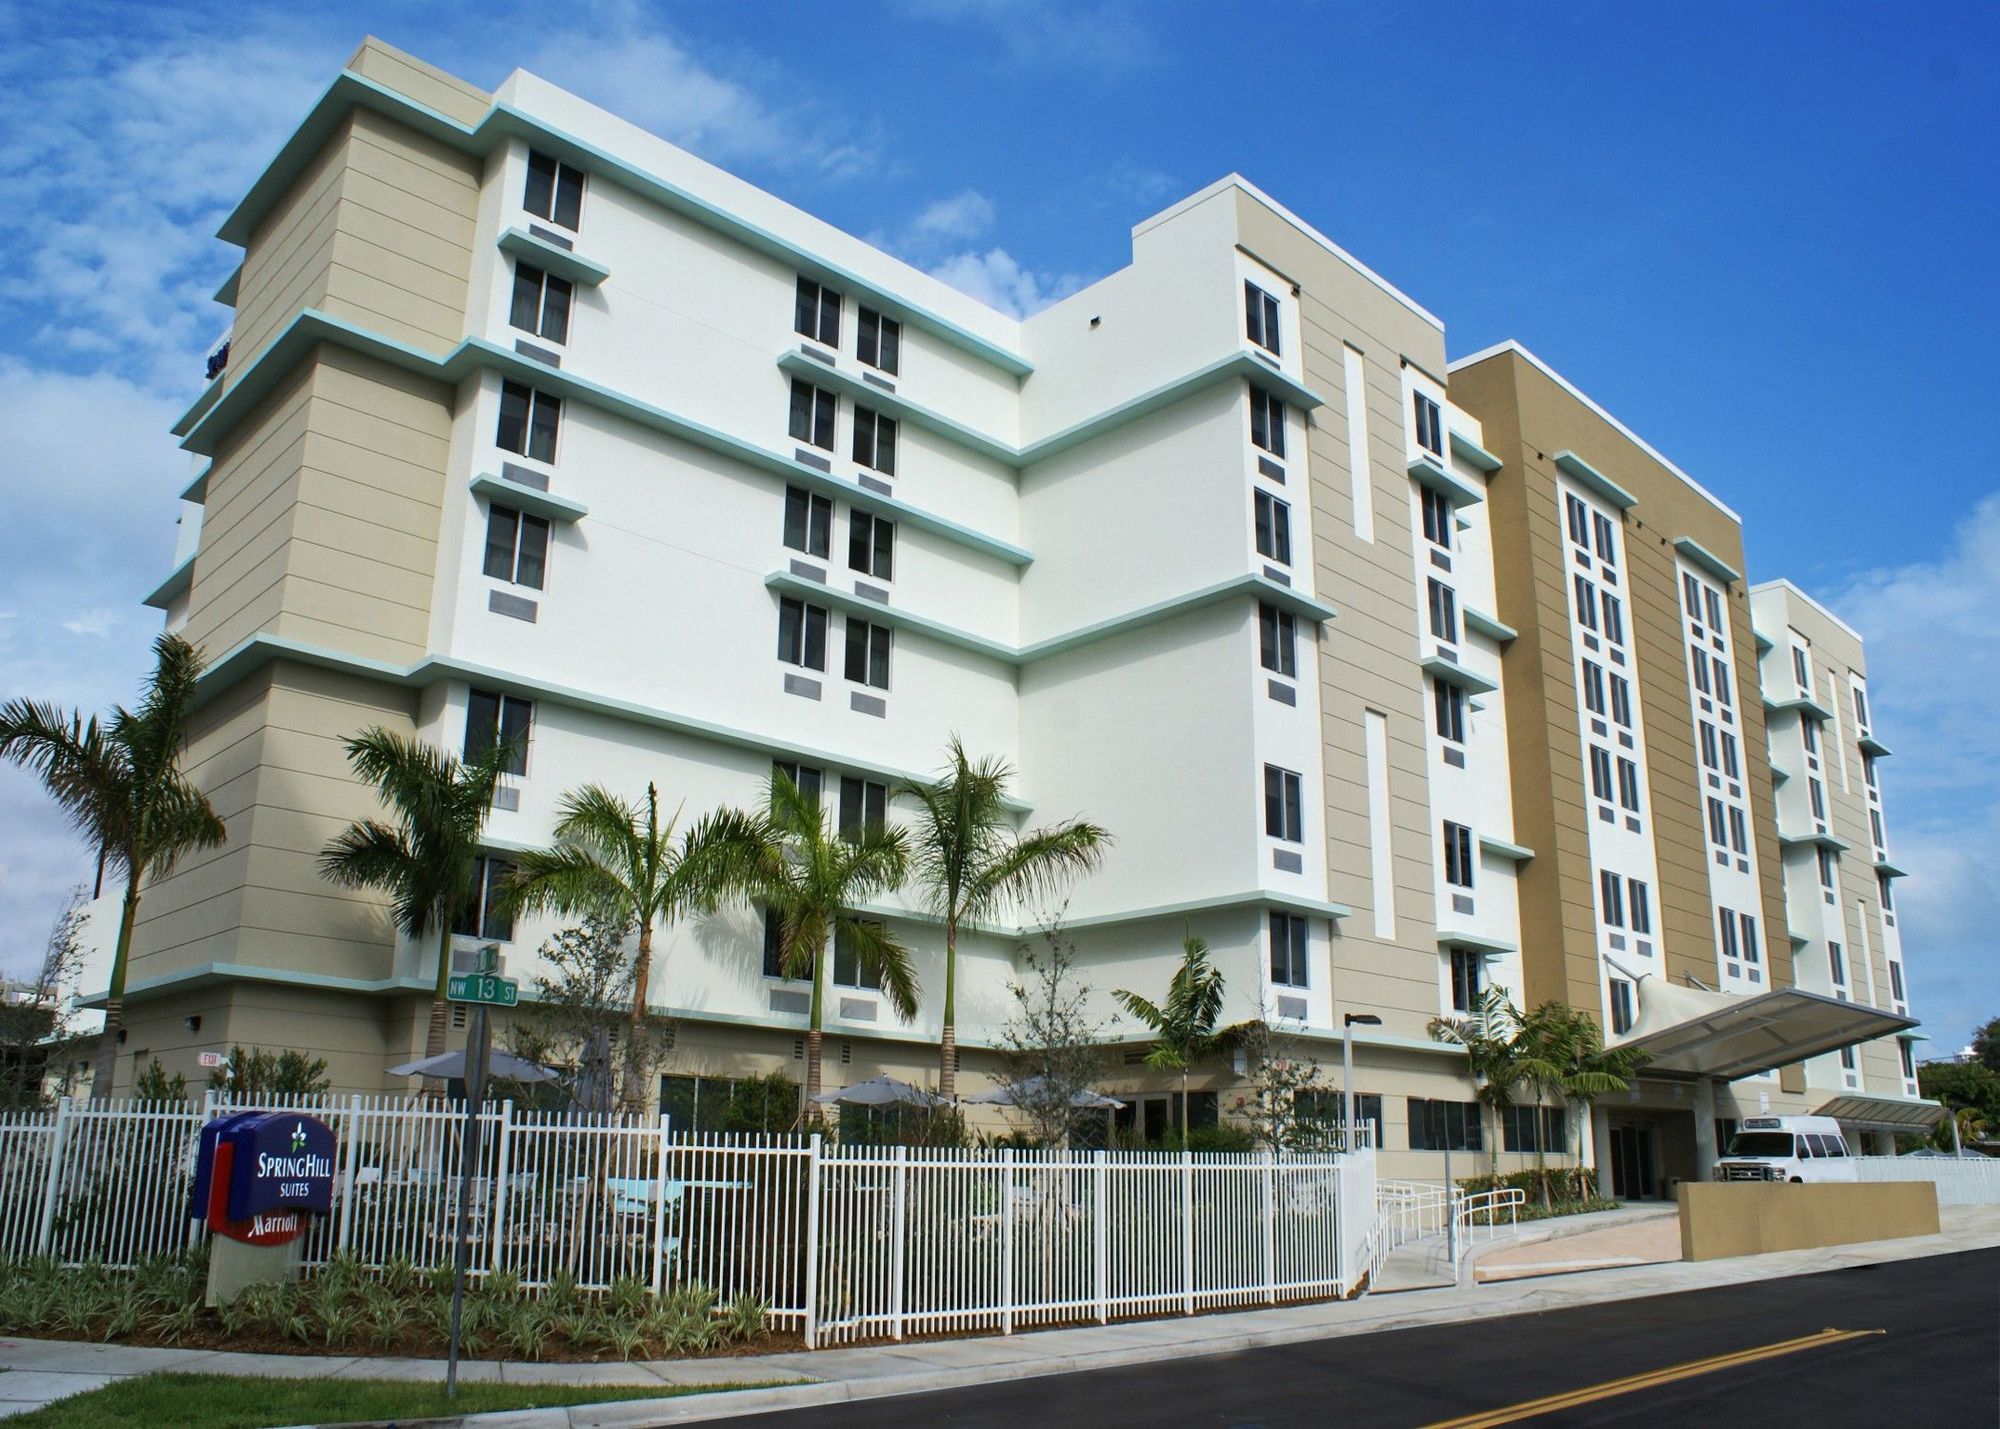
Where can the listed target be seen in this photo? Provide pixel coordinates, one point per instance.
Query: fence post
(1187, 1229)
(1341, 1207)
(812, 1242)
(345, 1239)
(660, 1179)
(1100, 1221)
(900, 1230)
(502, 1160)
(1007, 1241)
(45, 1234)
(1270, 1228)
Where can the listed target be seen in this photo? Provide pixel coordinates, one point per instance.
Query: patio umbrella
(882, 1091)
(1084, 1098)
(499, 1064)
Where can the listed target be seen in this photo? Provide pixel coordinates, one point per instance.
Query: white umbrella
(1084, 1098)
(503, 1065)
(882, 1091)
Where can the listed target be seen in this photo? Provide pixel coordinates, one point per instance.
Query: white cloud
(94, 623)
(1934, 681)
(953, 220)
(997, 278)
(1106, 37)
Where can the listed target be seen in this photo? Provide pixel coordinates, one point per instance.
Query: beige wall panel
(428, 85)
(1720, 1220)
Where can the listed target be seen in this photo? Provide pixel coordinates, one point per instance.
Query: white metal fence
(841, 1243)
(1960, 1181)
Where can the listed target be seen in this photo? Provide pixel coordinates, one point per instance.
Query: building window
(1711, 755)
(1443, 1126)
(1621, 701)
(1628, 785)
(1826, 869)
(864, 807)
(1284, 805)
(1457, 855)
(1586, 604)
(482, 915)
(801, 633)
(774, 953)
(1448, 701)
(1730, 768)
(1875, 828)
(806, 779)
(1908, 1060)
(1611, 898)
(528, 421)
(880, 341)
(1260, 317)
(1579, 520)
(1444, 612)
(1600, 773)
(1809, 733)
(1861, 709)
(1533, 1128)
(1430, 424)
(847, 968)
(1277, 640)
(1621, 1007)
(1718, 825)
(1467, 969)
(1691, 596)
(1750, 949)
(1725, 922)
(1836, 962)
(541, 303)
(813, 410)
(1896, 981)
(492, 719)
(1274, 529)
(1817, 799)
(1868, 772)
(808, 521)
(1698, 663)
(1801, 672)
(1721, 679)
(817, 312)
(1267, 421)
(1438, 518)
(554, 192)
(517, 546)
(867, 653)
(1882, 882)
(875, 441)
(1288, 950)
(871, 545)
(1639, 903)
(1614, 619)
(1607, 541)
(1593, 687)
(1714, 608)
(1739, 830)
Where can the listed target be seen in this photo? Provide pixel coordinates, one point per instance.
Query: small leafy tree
(1184, 1025)
(1291, 1104)
(35, 1016)
(1561, 1053)
(1986, 1045)
(581, 1023)
(768, 1103)
(257, 1074)
(1054, 1047)
(154, 1085)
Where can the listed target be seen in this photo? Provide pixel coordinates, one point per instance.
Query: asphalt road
(1937, 1364)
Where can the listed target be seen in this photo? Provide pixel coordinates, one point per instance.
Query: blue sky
(1761, 234)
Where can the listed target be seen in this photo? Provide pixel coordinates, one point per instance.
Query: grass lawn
(219, 1401)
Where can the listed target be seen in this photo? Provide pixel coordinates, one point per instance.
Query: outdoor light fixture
(1348, 1024)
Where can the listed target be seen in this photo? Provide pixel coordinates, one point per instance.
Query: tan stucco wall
(1719, 1219)
(1368, 654)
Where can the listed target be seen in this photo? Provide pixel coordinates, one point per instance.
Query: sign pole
(475, 1095)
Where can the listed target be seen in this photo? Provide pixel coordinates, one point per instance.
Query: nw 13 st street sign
(483, 987)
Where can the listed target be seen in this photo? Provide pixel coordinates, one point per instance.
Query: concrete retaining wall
(1720, 1219)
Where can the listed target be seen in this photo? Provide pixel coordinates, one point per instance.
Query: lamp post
(1363, 1019)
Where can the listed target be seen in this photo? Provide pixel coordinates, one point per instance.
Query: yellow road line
(1631, 1384)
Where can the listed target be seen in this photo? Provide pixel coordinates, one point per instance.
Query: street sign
(483, 988)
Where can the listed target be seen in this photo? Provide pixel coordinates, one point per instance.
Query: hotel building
(1393, 677)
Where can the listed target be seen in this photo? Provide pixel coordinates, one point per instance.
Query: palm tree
(121, 784)
(623, 864)
(1561, 1052)
(968, 860)
(425, 863)
(811, 879)
(1183, 1026)
(1488, 1037)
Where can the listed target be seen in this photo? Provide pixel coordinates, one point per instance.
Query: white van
(1787, 1148)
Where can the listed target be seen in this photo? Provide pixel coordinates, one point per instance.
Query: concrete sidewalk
(52, 1369)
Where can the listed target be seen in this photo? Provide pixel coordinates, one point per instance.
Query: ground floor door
(1633, 1174)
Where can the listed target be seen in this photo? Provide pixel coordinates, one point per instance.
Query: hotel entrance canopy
(1883, 1114)
(1687, 1032)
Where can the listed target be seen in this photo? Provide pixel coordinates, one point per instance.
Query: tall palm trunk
(814, 1113)
(631, 1093)
(440, 1012)
(104, 1073)
(948, 1041)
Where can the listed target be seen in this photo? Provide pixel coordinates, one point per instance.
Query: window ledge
(1428, 471)
(1453, 673)
(1473, 454)
(1584, 474)
(1501, 848)
(1871, 745)
(174, 586)
(563, 262)
(526, 498)
(1697, 554)
(1486, 625)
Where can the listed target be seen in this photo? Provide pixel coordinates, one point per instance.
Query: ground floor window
(1443, 1126)
(1534, 1128)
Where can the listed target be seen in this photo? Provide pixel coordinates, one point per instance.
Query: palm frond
(884, 958)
